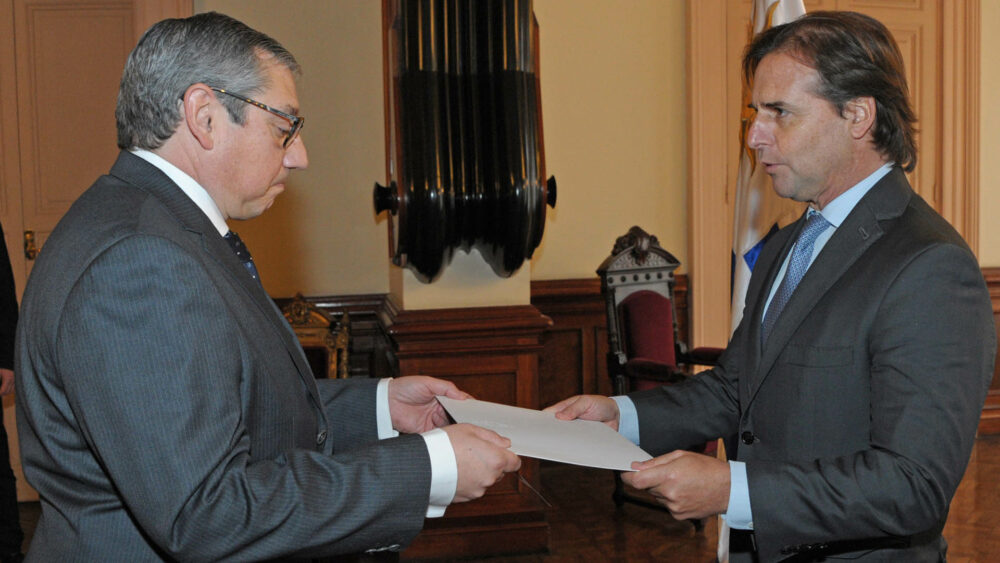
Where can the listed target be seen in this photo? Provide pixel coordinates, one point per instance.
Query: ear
(860, 114)
(201, 114)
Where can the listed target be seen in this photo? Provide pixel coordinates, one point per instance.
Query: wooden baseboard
(491, 352)
(989, 422)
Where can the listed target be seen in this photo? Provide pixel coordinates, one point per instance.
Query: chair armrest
(704, 356)
(650, 370)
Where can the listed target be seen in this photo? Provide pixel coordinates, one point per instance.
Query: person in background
(11, 535)
(854, 384)
(166, 409)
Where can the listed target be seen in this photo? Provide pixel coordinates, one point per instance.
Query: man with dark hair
(166, 409)
(854, 383)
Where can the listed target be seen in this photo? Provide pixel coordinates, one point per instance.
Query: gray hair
(173, 54)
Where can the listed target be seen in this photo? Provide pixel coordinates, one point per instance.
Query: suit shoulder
(921, 227)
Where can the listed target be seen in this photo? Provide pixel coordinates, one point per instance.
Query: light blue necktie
(797, 266)
(242, 253)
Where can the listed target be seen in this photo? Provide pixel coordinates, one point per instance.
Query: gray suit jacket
(166, 410)
(857, 418)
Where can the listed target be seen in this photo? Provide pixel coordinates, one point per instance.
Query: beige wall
(614, 115)
(989, 135)
(614, 118)
(613, 106)
(321, 237)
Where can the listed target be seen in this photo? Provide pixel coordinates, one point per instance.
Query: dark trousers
(11, 535)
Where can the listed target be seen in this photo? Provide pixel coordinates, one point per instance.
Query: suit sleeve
(154, 379)
(703, 407)
(8, 307)
(931, 350)
(349, 405)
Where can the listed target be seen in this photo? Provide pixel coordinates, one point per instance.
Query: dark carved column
(491, 352)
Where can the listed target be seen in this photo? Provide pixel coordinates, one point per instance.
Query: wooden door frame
(710, 189)
(148, 12)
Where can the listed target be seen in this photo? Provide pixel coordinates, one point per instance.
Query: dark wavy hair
(855, 56)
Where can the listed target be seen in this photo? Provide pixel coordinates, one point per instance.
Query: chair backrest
(647, 327)
(637, 281)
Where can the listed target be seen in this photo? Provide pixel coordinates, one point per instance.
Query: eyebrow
(768, 105)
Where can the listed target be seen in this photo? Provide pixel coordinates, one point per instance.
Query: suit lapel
(759, 286)
(147, 177)
(859, 231)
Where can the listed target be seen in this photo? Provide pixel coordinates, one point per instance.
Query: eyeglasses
(295, 120)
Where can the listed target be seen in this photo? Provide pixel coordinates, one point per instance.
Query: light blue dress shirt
(738, 515)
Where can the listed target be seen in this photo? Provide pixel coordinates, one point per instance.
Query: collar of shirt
(837, 210)
(189, 186)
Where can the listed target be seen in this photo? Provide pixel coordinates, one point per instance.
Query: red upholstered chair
(647, 330)
(644, 350)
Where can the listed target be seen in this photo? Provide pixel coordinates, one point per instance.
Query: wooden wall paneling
(67, 87)
(491, 352)
(989, 422)
(575, 349)
(10, 156)
(147, 12)
(709, 208)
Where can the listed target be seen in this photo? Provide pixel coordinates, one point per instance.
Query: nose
(756, 135)
(296, 155)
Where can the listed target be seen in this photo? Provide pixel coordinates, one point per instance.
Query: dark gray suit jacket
(166, 410)
(857, 418)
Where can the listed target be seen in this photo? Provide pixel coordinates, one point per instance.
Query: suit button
(321, 437)
(748, 437)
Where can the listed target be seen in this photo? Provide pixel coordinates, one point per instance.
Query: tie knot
(236, 243)
(241, 251)
(815, 225)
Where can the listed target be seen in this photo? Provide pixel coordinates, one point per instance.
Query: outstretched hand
(482, 457)
(587, 407)
(690, 485)
(412, 403)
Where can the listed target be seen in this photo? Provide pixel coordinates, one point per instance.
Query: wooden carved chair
(644, 348)
(326, 344)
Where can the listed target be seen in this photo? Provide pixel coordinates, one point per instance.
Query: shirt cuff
(738, 514)
(628, 418)
(383, 417)
(444, 471)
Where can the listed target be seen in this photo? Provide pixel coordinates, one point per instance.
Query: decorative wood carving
(315, 330)
(356, 315)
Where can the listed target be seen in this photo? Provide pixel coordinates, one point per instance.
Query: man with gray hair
(166, 409)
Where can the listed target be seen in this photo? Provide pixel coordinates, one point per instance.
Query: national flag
(758, 212)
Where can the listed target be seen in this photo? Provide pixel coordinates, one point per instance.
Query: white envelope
(541, 435)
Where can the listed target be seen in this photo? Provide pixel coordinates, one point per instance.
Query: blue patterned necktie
(797, 266)
(242, 253)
